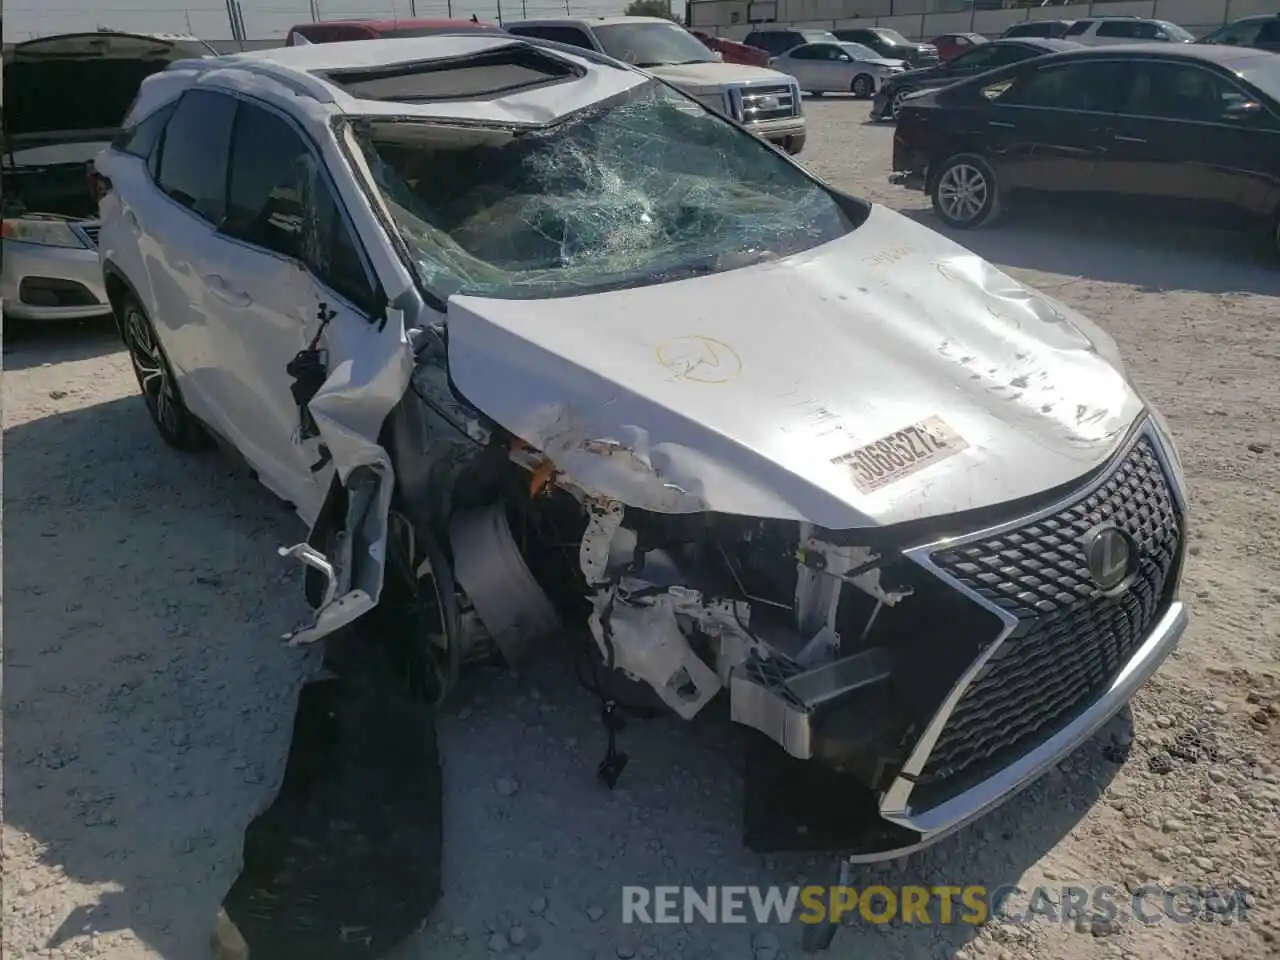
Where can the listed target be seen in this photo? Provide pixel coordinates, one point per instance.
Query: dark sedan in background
(988, 56)
(1170, 131)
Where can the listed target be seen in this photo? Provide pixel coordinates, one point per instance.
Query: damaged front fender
(350, 551)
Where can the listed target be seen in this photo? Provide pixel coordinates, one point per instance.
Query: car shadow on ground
(28, 344)
(149, 705)
(148, 699)
(1153, 256)
(525, 812)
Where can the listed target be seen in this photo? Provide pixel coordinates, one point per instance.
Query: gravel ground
(148, 700)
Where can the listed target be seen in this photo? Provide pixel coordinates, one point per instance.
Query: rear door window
(192, 167)
(279, 198)
(1120, 28)
(1177, 91)
(1084, 86)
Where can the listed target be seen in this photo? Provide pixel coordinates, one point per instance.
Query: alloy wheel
(154, 377)
(962, 192)
(895, 107)
(862, 86)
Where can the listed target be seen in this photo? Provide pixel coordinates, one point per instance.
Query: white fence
(916, 20)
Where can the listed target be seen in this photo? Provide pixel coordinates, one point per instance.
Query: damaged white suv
(560, 344)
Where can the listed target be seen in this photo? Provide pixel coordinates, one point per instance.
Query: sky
(263, 18)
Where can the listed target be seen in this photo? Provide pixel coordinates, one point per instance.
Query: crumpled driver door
(367, 366)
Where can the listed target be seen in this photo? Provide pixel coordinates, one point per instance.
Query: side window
(810, 52)
(1118, 28)
(1007, 55)
(981, 58)
(570, 35)
(140, 139)
(279, 198)
(1143, 30)
(1177, 91)
(1073, 86)
(1079, 27)
(1267, 35)
(193, 155)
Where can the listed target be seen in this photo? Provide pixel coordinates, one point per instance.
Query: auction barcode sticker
(902, 453)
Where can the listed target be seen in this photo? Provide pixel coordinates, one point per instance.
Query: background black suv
(891, 45)
(777, 42)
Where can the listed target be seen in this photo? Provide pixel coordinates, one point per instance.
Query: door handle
(1001, 124)
(225, 292)
(1129, 139)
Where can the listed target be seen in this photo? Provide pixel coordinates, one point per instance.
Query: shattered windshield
(640, 189)
(652, 44)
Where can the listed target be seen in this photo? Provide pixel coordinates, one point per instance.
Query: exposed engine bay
(805, 630)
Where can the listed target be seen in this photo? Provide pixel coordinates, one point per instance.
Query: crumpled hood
(714, 74)
(745, 392)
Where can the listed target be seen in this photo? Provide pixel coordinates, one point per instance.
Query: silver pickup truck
(765, 101)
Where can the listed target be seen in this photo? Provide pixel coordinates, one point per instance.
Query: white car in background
(66, 96)
(838, 68)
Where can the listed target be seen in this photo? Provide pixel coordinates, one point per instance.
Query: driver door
(288, 269)
(808, 64)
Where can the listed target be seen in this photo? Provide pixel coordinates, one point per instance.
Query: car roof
(406, 23)
(589, 22)
(316, 82)
(1228, 56)
(1049, 44)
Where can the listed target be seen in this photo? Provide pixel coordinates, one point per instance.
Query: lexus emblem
(1109, 554)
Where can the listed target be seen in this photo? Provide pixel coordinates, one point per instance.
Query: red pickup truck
(336, 31)
(731, 51)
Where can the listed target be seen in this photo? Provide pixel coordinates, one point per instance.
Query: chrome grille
(1071, 639)
(91, 231)
(767, 103)
(714, 101)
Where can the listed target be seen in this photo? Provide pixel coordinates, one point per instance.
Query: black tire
(895, 104)
(964, 192)
(794, 144)
(1275, 235)
(863, 86)
(178, 427)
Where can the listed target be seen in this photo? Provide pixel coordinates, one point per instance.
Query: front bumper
(1065, 656)
(51, 283)
(779, 130)
(880, 102)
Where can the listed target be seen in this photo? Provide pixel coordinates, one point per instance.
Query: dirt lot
(148, 701)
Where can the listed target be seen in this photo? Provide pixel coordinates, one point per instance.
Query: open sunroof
(477, 76)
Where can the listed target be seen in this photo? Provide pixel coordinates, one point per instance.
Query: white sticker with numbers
(900, 454)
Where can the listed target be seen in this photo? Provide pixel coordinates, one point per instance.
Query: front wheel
(175, 423)
(863, 86)
(895, 105)
(965, 193)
